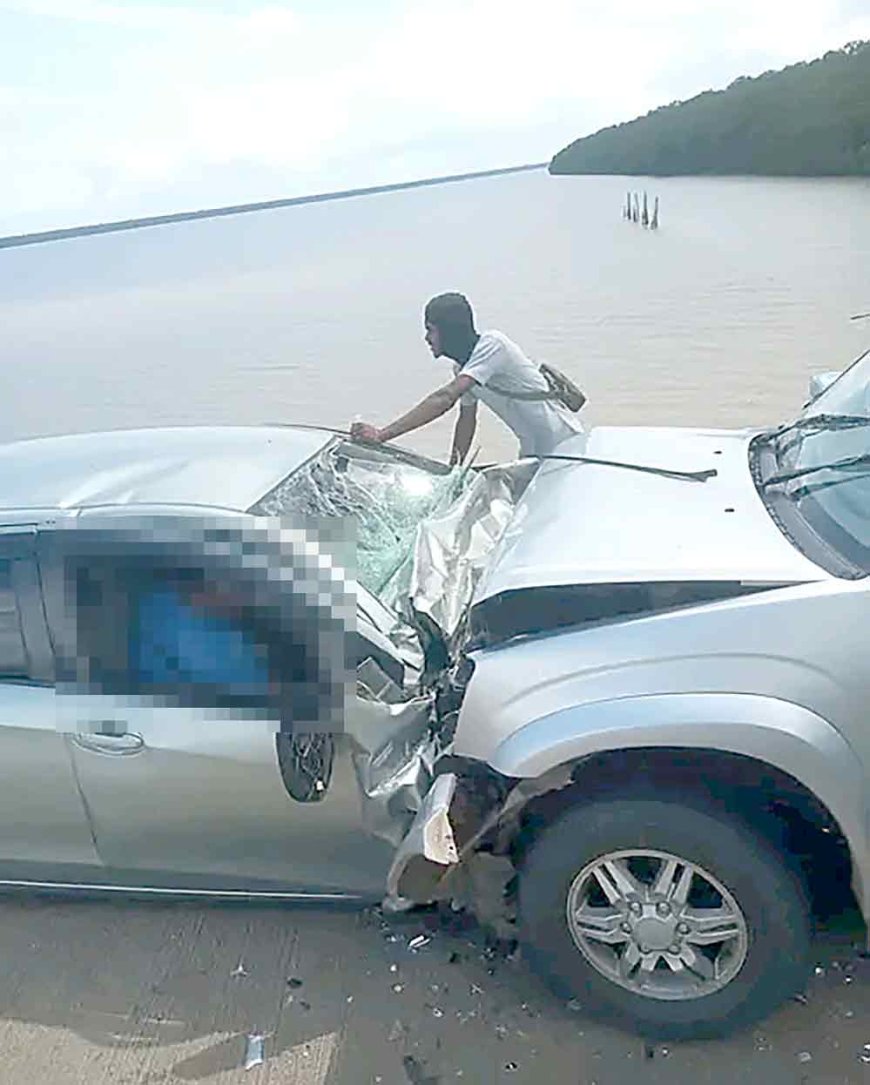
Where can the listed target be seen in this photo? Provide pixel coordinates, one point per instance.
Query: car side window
(167, 633)
(13, 651)
(182, 612)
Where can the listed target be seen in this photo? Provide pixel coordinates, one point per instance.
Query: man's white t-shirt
(539, 425)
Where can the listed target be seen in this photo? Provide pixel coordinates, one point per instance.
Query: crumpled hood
(581, 523)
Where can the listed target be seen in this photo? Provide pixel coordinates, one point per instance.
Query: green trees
(809, 119)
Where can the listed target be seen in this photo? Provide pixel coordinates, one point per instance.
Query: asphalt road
(98, 992)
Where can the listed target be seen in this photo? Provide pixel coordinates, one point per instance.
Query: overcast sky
(116, 108)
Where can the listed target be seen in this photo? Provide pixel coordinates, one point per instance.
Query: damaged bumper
(458, 845)
(429, 849)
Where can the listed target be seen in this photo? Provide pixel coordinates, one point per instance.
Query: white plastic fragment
(805, 1056)
(418, 942)
(239, 970)
(254, 1050)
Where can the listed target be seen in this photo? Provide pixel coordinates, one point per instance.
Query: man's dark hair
(453, 317)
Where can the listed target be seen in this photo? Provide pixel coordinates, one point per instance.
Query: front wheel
(664, 915)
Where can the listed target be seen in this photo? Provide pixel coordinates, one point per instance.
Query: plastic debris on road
(254, 1050)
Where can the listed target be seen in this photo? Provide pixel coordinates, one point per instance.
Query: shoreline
(18, 240)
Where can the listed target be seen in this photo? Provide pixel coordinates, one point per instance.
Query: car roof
(229, 467)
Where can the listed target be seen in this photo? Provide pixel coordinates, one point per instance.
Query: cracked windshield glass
(383, 499)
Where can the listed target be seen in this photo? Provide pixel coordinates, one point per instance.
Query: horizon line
(116, 226)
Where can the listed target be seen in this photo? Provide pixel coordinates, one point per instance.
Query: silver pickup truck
(614, 702)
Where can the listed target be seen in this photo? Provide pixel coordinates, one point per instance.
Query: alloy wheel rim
(657, 924)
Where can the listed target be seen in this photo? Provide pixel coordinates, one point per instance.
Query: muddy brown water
(313, 313)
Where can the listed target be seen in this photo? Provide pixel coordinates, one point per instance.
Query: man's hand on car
(362, 431)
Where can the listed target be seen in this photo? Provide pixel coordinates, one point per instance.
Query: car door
(44, 829)
(194, 776)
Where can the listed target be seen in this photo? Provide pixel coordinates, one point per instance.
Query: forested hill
(809, 119)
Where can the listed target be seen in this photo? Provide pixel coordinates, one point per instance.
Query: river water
(313, 313)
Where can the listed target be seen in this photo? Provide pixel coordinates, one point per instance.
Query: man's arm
(463, 434)
(427, 410)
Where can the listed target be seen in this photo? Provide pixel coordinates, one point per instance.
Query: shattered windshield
(385, 495)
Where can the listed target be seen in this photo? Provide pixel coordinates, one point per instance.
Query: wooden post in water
(644, 219)
(626, 211)
(654, 225)
(636, 214)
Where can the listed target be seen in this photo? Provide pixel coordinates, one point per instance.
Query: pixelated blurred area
(243, 614)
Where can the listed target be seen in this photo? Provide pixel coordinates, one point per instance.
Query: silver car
(614, 702)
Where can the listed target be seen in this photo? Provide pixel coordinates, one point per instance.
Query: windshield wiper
(812, 487)
(665, 472)
(835, 465)
(827, 423)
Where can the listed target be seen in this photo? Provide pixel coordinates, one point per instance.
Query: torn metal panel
(452, 547)
(393, 755)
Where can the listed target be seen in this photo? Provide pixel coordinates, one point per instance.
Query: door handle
(118, 745)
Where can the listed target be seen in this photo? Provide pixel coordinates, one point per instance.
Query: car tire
(769, 954)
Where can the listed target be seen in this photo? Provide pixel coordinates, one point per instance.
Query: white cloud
(173, 102)
(134, 16)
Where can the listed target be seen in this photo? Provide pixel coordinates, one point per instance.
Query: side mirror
(821, 382)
